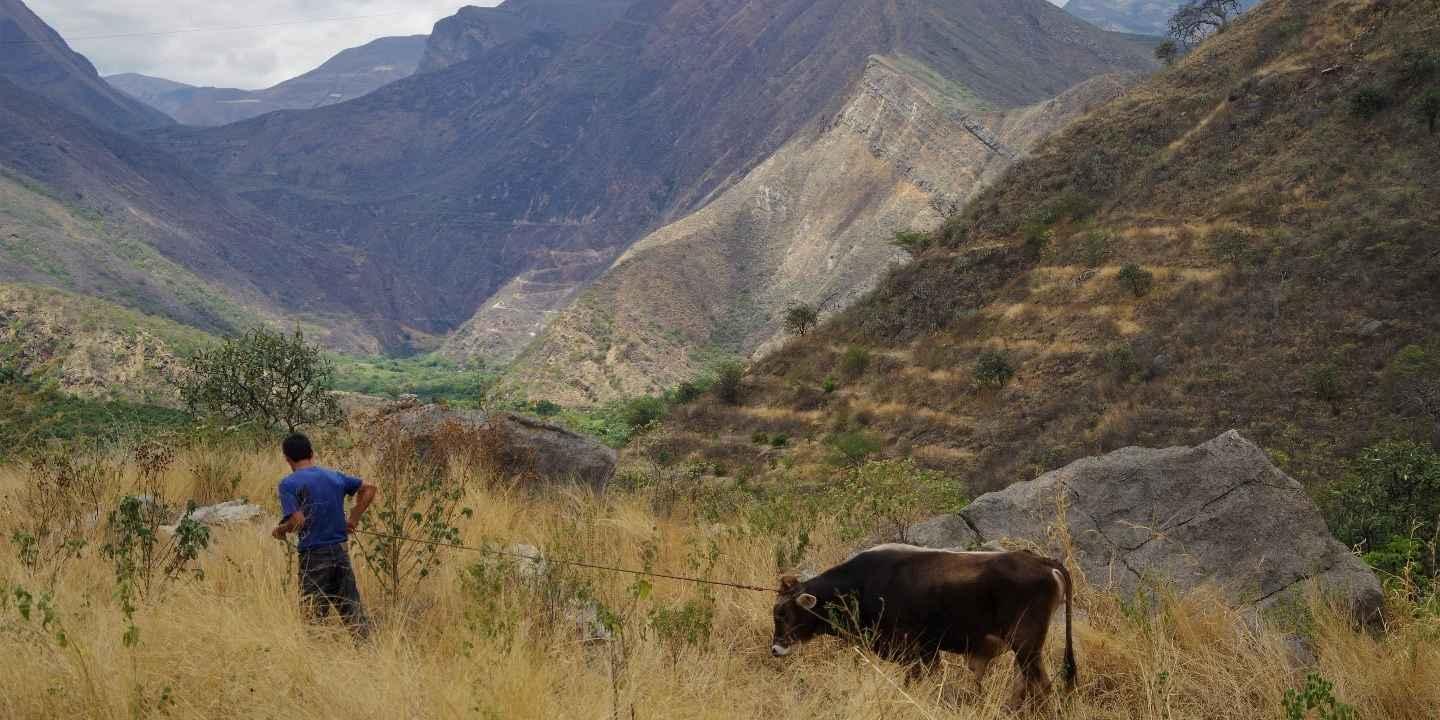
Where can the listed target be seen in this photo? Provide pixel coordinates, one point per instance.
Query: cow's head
(795, 617)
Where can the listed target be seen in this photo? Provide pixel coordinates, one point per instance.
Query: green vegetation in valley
(429, 377)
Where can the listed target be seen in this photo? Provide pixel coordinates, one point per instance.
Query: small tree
(912, 241)
(993, 369)
(1136, 279)
(801, 319)
(1390, 492)
(263, 377)
(1198, 19)
(728, 376)
(1167, 52)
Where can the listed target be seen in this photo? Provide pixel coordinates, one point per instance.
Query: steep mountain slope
(350, 74)
(474, 31)
(1280, 187)
(1146, 17)
(812, 224)
(541, 159)
(93, 349)
(34, 57)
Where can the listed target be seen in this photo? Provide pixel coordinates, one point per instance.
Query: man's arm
(293, 523)
(363, 497)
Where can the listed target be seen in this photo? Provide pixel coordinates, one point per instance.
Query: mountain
(350, 74)
(1144, 17)
(35, 58)
(541, 156)
(1247, 240)
(811, 225)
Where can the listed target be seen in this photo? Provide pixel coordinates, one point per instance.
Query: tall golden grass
(233, 645)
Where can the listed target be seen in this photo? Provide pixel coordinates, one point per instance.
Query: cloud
(249, 58)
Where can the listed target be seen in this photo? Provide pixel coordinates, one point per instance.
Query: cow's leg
(1033, 683)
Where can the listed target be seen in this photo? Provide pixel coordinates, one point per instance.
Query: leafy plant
(853, 446)
(829, 385)
(1390, 491)
(1136, 279)
(1121, 362)
(881, 499)
(854, 362)
(263, 377)
(801, 319)
(993, 369)
(1318, 695)
(1167, 52)
(913, 241)
(728, 378)
(1095, 249)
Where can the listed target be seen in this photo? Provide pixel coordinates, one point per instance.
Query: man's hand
(279, 532)
(352, 523)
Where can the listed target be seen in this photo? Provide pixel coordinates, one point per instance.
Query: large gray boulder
(1220, 513)
(527, 450)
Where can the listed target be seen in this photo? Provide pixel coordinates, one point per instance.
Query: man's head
(297, 449)
(795, 618)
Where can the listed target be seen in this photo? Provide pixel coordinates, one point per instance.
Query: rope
(573, 563)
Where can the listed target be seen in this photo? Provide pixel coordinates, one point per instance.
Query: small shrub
(1417, 64)
(728, 378)
(881, 499)
(1120, 362)
(1318, 696)
(854, 363)
(545, 408)
(639, 413)
(913, 241)
(1325, 383)
(760, 438)
(1167, 52)
(780, 440)
(1136, 279)
(1230, 247)
(1367, 102)
(993, 369)
(801, 319)
(830, 385)
(1095, 249)
(1391, 491)
(1037, 237)
(853, 446)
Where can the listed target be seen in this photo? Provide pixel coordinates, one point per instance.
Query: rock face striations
(1216, 513)
(539, 142)
(350, 74)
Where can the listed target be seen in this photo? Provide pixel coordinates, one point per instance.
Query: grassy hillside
(1278, 196)
(486, 638)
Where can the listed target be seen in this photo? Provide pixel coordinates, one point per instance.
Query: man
(312, 502)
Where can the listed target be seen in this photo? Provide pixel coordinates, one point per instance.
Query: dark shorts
(328, 580)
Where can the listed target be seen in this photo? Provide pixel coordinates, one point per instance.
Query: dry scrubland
(491, 645)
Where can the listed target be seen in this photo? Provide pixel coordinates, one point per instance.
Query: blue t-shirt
(319, 493)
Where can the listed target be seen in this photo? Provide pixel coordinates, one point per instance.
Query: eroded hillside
(1244, 241)
(811, 225)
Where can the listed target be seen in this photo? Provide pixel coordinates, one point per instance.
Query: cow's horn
(806, 600)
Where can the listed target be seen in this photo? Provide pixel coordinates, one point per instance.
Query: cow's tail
(1071, 670)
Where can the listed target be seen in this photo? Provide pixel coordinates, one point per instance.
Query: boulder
(232, 512)
(530, 450)
(1220, 513)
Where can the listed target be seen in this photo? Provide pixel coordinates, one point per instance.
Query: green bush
(1136, 279)
(1390, 492)
(854, 363)
(1325, 383)
(545, 408)
(265, 378)
(913, 241)
(779, 440)
(881, 499)
(801, 319)
(851, 447)
(640, 412)
(1367, 102)
(1121, 363)
(830, 385)
(1318, 696)
(760, 438)
(993, 369)
(1167, 52)
(1095, 249)
(728, 378)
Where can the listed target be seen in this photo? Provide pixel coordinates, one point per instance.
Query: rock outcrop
(1218, 513)
(525, 449)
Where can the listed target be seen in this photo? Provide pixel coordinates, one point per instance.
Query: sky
(248, 59)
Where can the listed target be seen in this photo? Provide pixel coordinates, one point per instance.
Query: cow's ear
(806, 600)
(788, 583)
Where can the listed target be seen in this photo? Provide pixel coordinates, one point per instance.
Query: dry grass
(233, 644)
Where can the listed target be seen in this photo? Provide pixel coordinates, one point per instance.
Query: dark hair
(297, 448)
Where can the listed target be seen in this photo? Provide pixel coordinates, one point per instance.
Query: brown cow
(910, 603)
